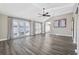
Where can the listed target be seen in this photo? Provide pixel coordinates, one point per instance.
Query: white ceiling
(31, 10)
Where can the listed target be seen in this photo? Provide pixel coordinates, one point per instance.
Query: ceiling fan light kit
(45, 13)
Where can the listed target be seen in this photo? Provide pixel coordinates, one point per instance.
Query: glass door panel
(15, 28)
(20, 28)
(27, 28)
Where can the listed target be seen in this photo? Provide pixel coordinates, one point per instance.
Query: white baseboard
(3, 39)
(74, 41)
(76, 51)
(62, 35)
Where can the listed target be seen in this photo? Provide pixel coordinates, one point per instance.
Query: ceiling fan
(45, 14)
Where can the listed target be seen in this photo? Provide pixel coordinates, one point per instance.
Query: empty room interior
(39, 28)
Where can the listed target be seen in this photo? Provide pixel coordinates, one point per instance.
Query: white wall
(3, 27)
(62, 31)
(43, 27)
(31, 26)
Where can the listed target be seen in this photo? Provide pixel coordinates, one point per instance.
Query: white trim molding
(3, 39)
(62, 35)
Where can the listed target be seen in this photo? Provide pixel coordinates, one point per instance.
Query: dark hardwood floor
(38, 45)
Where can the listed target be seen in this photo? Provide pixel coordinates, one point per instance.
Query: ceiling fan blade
(40, 14)
(47, 15)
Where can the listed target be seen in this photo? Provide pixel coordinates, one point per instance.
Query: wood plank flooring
(38, 45)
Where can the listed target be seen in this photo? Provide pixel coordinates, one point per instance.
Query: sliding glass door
(15, 28)
(20, 28)
(38, 28)
(27, 28)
